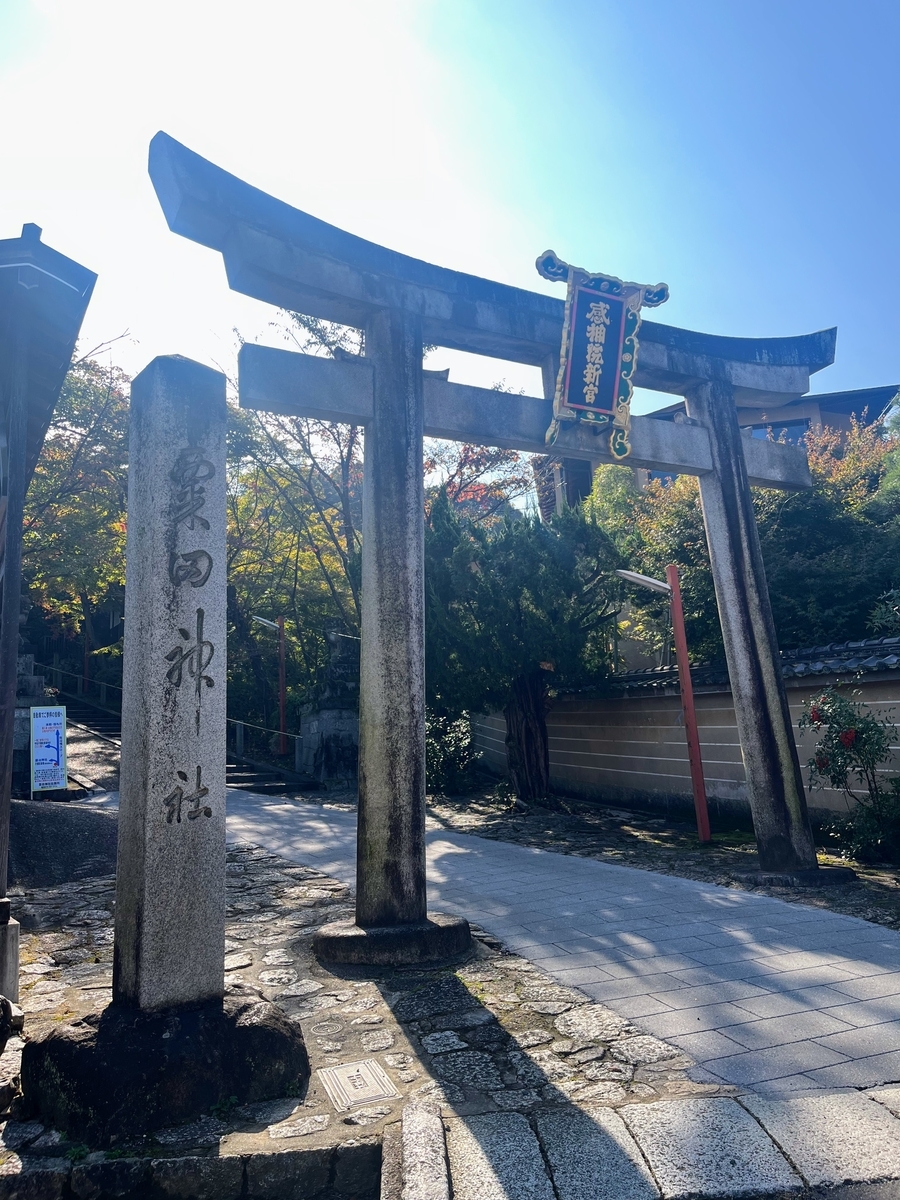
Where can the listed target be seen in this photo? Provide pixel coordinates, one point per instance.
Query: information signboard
(48, 749)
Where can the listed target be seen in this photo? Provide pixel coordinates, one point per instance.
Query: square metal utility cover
(357, 1083)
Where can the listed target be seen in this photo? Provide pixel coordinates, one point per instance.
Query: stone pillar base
(813, 877)
(438, 938)
(9, 961)
(121, 1073)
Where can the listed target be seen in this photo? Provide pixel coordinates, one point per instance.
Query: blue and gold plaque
(599, 349)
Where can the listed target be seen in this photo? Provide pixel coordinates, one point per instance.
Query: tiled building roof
(838, 658)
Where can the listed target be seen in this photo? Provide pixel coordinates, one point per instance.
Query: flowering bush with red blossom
(853, 743)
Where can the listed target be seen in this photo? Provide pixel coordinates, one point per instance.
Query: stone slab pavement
(797, 1007)
(760, 993)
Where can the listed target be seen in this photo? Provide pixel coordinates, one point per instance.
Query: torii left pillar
(392, 923)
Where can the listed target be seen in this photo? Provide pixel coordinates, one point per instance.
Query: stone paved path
(763, 994)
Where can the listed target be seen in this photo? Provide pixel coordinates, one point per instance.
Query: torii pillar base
(437, 939)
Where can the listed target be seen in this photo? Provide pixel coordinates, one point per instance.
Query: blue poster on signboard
(48, 749)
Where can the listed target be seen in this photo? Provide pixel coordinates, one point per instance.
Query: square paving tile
(757, 1065)
(794, 981)
(781, 1031)
(706, 1045)
(708, 1148)
(833, 1138)
(779, 1004)
(867, 1012)
(617, 988)
(694, 1020)
(699, 997)
(868, 987)
(865, 1041)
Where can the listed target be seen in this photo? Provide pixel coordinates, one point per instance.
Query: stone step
(495, 1157)
(268, 787)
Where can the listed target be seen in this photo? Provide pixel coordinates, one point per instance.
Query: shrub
(854, 742)
(450, 757)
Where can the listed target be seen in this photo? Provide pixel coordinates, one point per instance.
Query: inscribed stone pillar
(774, 782)
(391, 831)
(170, 876)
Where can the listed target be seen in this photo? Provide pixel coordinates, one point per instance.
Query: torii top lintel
(286, 257)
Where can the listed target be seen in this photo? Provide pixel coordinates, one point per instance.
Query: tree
(294, 540)
(74, 529)
(830, 552)
(512, 611)
(651, 528)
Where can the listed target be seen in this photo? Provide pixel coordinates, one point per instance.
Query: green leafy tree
(74, 530)
(830, 552)
(512, 612)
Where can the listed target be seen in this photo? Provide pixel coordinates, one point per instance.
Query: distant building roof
(838, 658)
(874, 402)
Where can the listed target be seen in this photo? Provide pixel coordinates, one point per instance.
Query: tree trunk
(526, 737)
(88, 639)
(243, 632)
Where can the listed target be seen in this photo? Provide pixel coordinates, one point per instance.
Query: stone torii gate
(288, 258)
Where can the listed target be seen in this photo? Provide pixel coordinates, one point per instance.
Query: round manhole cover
(326, 1028)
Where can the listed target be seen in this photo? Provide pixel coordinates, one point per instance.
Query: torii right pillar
(774, 782)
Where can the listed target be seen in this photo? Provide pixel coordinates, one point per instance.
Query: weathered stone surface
(187, 1178)
(290, 1175)
(51, 844)
(125, 1072)
(592, 1021)
(434, 999)
(550, 1008)
(368, 1116)
(436, 939)
(17, 1134)
(603, 1092)
(496, 1157)
(832, 1138)
(439, 1093)
(519, 1100)
(377, 1039)
(306, 987)
(356, 1169)
(33, 1178)
(610, 1071)
(170, 880)
(425, 1173)
(302, 1127)
(119, 1179)
(205, 1132)
(707, 1148)
(533, 1037)
(642, 1050)
(592, 1156)
(440, 1043)
(469, 1068)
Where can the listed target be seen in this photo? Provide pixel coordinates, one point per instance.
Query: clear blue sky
(746, 153)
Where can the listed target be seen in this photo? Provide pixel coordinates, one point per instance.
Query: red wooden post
(687, 707)
(282, 690)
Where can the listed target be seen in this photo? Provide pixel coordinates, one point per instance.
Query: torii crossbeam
(288, 258)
